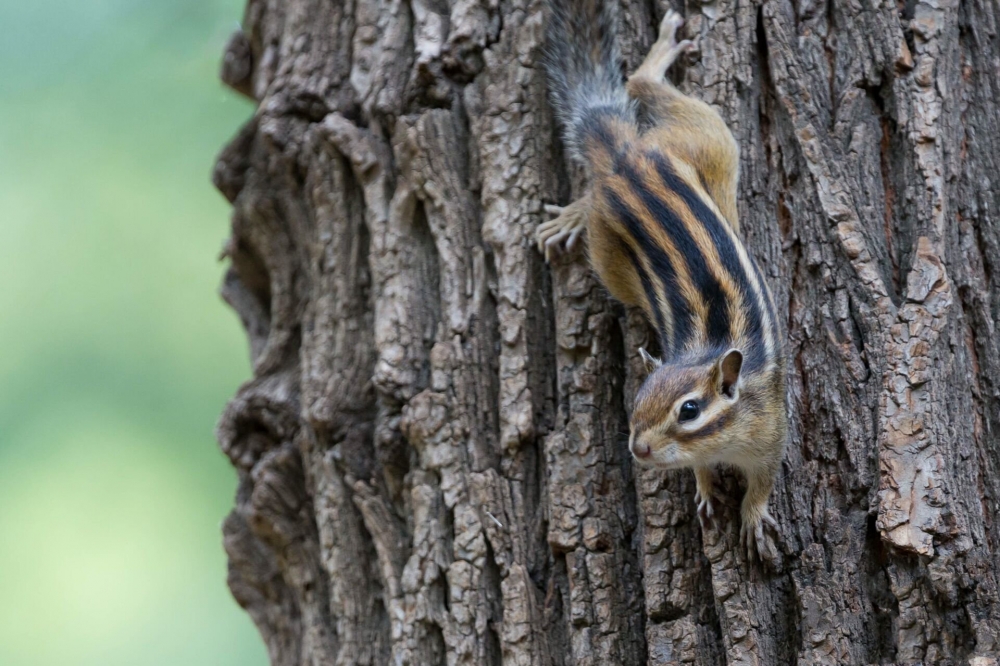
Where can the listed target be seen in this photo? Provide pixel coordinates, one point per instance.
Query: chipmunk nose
(640, 449)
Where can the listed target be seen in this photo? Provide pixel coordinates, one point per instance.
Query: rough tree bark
(432, 452)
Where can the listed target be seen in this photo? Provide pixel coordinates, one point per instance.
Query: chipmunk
(662, 226)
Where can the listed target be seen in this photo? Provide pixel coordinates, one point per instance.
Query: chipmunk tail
(583, 64)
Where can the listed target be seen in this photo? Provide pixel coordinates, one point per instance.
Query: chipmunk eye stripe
(710, 428)
(706, 283)
(724, 246)
(701, 413)
(696, 397)
(647, 412)
(680, 313)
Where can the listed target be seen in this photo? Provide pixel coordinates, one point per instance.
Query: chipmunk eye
(689, 411)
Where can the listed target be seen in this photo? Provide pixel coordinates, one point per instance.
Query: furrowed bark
(432, 451)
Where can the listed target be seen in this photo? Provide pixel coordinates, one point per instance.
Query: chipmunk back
(661, 220)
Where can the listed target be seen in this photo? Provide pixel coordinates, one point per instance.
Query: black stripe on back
(647, 286)
(755, 353)
(717, 325)
(663, 269)
(594, 125)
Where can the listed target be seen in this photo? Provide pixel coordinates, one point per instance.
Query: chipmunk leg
(757, 520)
(606, 247)
(664, 52)
(685, 127)
(704, 495)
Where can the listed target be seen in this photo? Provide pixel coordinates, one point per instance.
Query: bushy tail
(583, 65)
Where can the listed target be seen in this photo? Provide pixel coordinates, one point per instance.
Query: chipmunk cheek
(668, 456)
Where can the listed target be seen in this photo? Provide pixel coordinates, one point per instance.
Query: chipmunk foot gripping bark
(663, 234)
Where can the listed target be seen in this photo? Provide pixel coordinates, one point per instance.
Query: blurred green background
(116, 354)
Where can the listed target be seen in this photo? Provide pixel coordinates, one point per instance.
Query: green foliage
(117, 354)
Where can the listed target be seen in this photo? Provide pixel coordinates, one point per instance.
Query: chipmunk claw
(758, 539)
(706, 511)
(670, 24)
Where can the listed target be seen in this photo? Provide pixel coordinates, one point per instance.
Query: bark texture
(432, 451)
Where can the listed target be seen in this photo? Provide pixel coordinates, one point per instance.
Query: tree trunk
(432, 452)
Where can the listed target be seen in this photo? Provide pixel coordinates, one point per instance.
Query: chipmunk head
(687, 414)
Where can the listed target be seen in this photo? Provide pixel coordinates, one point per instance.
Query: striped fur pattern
(699, 286)
(660, 216)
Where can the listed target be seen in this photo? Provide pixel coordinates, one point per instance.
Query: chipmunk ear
(727, 372)
(652, 363)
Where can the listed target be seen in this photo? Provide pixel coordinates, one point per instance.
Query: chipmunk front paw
(758, 535)
(706, 510)
(562, 233)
